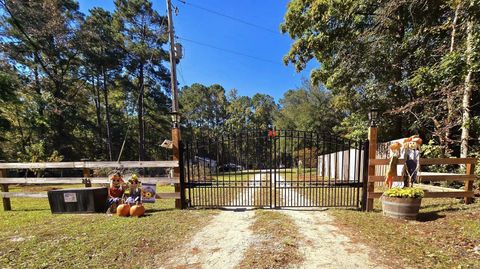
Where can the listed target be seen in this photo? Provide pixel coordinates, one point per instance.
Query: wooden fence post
(470, 170)
(176, 156)
(86, 175)
(7, 206)
(372, 153)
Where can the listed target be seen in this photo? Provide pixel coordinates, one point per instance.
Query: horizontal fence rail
(165, 195)
(87, 179)
(425, 161)
(90, 165)
(79, 180)
(379, 166)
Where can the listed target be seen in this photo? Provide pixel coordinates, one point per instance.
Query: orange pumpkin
(137, 210)
(123, 210)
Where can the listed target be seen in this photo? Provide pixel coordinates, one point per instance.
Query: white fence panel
(342, 165)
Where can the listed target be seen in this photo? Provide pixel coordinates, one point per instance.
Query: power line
(228, 50)
(181, 74)
(230, 17)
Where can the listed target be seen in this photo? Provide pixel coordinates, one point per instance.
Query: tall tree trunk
(141, 126)
(97, 110)
(454, 26)
(107, 114)
(467, 94)
(450, 109)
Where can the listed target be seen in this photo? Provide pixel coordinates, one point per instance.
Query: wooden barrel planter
(401, 208)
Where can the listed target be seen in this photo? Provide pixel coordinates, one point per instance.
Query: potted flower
(402, 203)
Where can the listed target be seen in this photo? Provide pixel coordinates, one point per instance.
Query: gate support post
(183, 200)
(177, 170)
(372, 152)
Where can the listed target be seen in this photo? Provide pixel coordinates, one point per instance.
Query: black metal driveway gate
(273, 168)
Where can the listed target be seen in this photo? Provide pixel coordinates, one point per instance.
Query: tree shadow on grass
(445, 209)
(30, 210)
(429, 216)
(437, 214)
(445, 204)
(150, 211)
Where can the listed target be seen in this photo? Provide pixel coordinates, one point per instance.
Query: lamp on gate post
(373, 116)
(175, 119)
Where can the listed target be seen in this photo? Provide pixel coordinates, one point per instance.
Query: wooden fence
(87, 179)
(468, 178)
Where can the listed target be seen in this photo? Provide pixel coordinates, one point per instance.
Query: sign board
(70, 197)
(148, 192)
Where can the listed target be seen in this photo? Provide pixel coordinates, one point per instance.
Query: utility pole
(173, 63)
(176, 137)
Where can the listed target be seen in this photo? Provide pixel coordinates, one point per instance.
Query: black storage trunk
(84, 200)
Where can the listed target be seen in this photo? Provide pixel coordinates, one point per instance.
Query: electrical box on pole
(178, 51)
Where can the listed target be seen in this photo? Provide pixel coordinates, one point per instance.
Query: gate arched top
(323, 143)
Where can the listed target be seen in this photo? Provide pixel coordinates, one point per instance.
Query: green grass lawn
(32, 237)
(444, 236)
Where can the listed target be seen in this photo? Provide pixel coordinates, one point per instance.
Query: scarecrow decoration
(411, 154)
(392, 166)
(135, 191)
(409, 149)
(115, 191)
(125, 199)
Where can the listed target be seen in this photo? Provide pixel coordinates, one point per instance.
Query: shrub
(408, 192)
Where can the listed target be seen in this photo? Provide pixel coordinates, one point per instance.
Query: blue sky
(207, 65)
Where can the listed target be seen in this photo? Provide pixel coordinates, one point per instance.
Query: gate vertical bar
(274, 134)
(294, 166)
(356, 172)
(232, 186)
(302, 193)
(199, 190)
(309, 200)
(269, 156)
(322, 194)
(182, 176)
(217, 179)
(317, 159)
(349, 163)
(206, 171)
(259, 165)
(187, 155)
(365, 164)
(222, 161)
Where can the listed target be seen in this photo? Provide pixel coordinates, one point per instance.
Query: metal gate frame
(273, 169)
